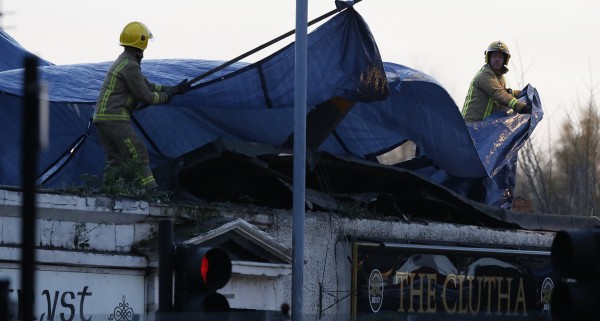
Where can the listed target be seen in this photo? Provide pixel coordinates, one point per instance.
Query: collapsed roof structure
(359, 107)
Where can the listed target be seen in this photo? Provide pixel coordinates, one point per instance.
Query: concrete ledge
(270, 270)
(77, 258)
(97, 209)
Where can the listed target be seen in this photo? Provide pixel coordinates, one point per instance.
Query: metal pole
(299, 159)
(165, 266)
(31, 116)
(4, 307)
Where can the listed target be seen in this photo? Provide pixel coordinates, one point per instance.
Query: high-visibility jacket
(125, 87)
(488, 94)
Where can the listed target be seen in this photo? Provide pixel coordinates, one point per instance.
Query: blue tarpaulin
(254, 103)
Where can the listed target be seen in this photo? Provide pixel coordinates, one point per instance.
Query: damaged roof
(230, 138)
(261, 175)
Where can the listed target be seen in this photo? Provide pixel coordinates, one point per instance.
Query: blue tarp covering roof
(254, 103)
(13, 54)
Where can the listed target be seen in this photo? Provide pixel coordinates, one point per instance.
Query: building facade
(97, 257)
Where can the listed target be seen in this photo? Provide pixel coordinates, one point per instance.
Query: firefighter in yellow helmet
(123, 89)
(487, 92)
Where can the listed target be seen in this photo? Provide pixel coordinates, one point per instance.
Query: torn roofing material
(259, 174)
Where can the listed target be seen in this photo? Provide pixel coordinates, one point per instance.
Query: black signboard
(433, 282)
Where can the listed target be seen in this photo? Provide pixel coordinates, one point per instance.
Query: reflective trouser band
(132, 149)
(148, 180)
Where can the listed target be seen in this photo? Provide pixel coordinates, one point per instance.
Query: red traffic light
(199, 272)
(202, 268)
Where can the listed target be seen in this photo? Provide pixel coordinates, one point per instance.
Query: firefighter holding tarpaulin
(124, 87)
(487, 92)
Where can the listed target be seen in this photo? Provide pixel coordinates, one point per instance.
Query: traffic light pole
(31, 140)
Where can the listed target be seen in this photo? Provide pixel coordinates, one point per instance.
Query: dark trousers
(121, 145)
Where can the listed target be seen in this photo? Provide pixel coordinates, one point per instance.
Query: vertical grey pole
(31, 139)
(165, 267)
(299, 159)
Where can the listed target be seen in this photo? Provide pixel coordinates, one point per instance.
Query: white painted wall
(64, 293)
(112, 228)
(254, 293)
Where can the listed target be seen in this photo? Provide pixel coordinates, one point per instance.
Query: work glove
(523, 108)
(169, 95)
(183, 86)
(178, 89)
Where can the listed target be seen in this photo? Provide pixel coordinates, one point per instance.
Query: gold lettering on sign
(461, 307)
(479, 280)
(431, 282)
(503, 295)
(489, 282)
(401, 278)
(521, 298)
(416, 292)
(461, 294)
(450, 278)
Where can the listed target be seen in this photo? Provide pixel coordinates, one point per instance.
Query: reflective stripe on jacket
(487, 94)
(124, 87)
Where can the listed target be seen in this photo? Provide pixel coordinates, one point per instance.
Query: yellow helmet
(135, 34)
(497, 46)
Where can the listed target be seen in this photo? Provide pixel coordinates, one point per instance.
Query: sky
(555, 45)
